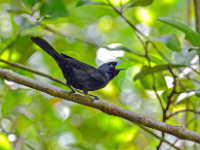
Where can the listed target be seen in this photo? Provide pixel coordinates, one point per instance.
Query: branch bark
(106, 107)
(197, 14)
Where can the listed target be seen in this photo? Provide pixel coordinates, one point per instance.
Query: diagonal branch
(106, 107)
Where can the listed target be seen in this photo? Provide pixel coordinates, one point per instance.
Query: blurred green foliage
(92, 32)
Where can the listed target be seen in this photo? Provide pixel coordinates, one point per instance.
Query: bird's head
(109, 69)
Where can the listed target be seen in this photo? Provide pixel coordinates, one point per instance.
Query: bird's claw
(95, 98)
(71, 92)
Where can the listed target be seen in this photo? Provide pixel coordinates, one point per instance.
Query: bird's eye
(111, 66)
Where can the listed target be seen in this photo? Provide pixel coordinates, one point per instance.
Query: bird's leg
(94, 97)
(72, 90)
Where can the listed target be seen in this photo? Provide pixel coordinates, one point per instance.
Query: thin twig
(169, 102)
(181, 111)
(171, 94)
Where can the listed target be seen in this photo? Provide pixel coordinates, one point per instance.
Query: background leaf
(147, 82)
(54, 9)
(155, 69)
(192, 36)
(133, 3)
(120, 47)
(170, 40)
(84, 2)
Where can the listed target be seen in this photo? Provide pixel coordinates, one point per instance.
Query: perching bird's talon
(95, 98)
(71, 92)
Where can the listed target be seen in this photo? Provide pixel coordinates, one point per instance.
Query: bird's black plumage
(80, 75)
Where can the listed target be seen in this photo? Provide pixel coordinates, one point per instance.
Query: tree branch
(197, 20)
(181, 111)
(106, 107)
(197, 14)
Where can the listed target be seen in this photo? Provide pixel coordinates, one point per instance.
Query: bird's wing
(66, 56)
(90, 70)
(97, 74)
(76, 63)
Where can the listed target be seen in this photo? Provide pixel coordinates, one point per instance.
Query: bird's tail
(47, 48)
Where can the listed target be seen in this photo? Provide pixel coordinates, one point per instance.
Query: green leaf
(188, 84)
(170, 40)
(120, 47)
(160, 83)
(155, 69)
(30, 3)
(193, 99)
(192, 36)
(84, 2)
(167, 93)
(54, 8)
(140, 3)
(157, 60)
(4, 142)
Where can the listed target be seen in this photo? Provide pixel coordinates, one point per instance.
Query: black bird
(80, 75)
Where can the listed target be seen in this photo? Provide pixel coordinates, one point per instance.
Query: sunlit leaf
(170, 40)
(133, 3)
(126, 135)
(4, 142)
(155, 69)
(157, 60)
(192, 36)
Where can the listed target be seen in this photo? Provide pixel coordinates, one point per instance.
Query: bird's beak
(118, 64)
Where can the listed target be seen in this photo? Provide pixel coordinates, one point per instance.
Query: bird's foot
(95, 98)
(72, 92)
